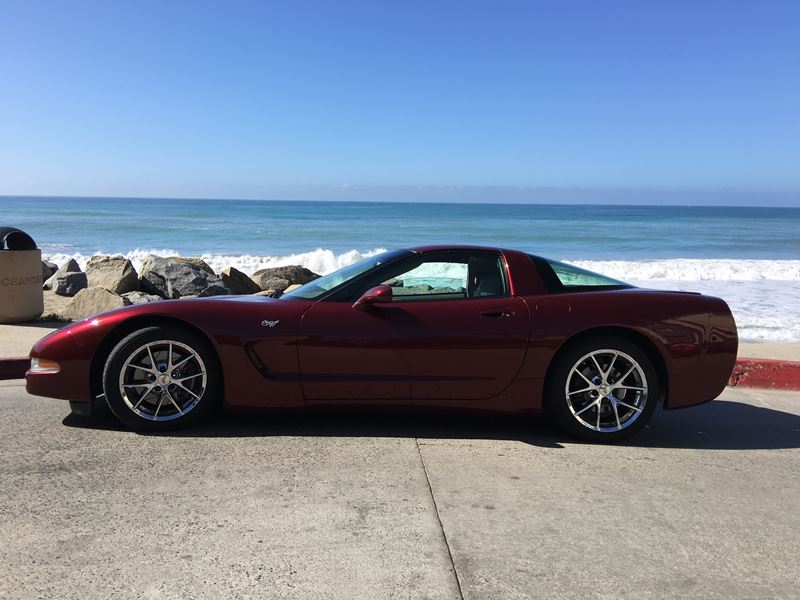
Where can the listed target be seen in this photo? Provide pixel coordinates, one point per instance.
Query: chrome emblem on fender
(266, 323)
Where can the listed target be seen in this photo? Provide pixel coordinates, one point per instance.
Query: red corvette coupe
(444, 327)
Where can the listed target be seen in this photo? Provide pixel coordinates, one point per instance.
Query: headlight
(44, 365)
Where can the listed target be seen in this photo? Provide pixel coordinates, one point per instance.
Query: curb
(14, 368)
(766, 373)
(748, 372)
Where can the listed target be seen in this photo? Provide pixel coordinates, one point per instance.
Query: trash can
(21, 296)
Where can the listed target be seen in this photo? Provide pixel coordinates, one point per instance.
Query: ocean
(750, 256)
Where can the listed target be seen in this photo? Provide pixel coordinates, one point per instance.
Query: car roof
(457, 247)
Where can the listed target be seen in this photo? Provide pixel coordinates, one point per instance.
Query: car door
(463, 349)
(451, 331)
(348, 354)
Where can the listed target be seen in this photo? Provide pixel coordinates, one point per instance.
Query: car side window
(430, 280)
(445, 276)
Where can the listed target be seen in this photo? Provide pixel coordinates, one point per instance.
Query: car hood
(184, 306)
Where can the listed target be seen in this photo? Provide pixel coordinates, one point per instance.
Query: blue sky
(500, 101)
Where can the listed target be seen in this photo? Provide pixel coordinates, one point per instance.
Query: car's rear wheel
(160, 378)
(602, 389)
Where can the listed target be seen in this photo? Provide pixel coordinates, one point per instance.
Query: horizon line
(431, 202)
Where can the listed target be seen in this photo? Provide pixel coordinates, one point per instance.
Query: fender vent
(260, 366)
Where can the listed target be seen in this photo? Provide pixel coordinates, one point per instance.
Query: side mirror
(378, 295)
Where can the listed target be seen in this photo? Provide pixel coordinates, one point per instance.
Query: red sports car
(442, 327)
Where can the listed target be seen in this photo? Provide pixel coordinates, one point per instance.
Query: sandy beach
(770, 351)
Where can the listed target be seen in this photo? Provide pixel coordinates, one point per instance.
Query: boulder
(71, 266)
(55, 305)
(412, 290)
(68, 284)
(237, 282)
(291, 273)
(275, 286)
(48, 269)
(141, 297)
(179, 277)
(292, 287)
(114, 273)
(215, 289)
(197, 262)
(92, 301)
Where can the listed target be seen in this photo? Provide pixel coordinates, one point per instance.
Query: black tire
(154, 412)
(572, 411)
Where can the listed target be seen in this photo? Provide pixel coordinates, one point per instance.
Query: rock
(48, 269)
(68, 284)
(412, 290)
(197, 262)
(114, 273)
(141, 297)
(292, 287)
(215, 289)
(237, 282)
(55, 305)
(275, 286)
(291, 273)
(92, 301)
(69, 267)
(179, 277)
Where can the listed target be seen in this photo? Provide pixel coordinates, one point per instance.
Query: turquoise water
(269, 228)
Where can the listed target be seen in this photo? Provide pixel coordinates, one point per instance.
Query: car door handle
(497, 313)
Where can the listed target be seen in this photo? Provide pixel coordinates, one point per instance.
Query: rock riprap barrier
(111, 282)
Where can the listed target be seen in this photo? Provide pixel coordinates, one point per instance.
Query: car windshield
(315, 289)
(574, 277)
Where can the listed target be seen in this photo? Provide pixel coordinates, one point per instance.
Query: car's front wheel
(161, 377)
(602, 389)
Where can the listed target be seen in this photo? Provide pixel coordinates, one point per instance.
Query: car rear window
(563, 277)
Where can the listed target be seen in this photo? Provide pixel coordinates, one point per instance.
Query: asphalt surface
(705, 503)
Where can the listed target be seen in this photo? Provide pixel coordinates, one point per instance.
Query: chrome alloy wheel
(162, 380)
(606, 390)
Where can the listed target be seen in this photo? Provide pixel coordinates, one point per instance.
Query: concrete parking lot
(705, 503)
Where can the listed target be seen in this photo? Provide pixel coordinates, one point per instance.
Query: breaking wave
(320, 261)
(696, 269)
(324, 261)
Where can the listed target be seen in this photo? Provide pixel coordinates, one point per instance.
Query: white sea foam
(320, 260)
(764, 295)
(695, 269)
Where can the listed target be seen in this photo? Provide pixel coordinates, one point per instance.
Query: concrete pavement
(705, 503)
